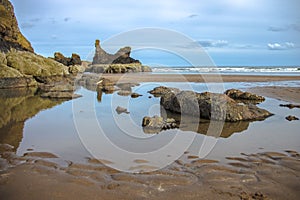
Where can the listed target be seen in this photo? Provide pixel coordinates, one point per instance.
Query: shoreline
(148, 77)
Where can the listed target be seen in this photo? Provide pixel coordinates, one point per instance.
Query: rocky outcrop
(121, 57)
(10, 35)
(120, 62)
(240, 95)
(156, 124)
(24, 69)
(211, 106)
(74, 60)
(21, 67)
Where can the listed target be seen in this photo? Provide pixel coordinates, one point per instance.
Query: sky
(231, 32)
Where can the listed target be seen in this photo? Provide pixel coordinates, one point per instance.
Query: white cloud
(282, 46)
(214, 43)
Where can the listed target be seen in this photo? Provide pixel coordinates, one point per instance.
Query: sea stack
(121, 57)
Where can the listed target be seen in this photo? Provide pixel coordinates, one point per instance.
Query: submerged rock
(121, 110)
(211, 106)
(291, 118)
(240, 95)
(156, 124)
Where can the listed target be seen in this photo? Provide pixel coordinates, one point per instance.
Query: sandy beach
(248, 176)
(147, 77)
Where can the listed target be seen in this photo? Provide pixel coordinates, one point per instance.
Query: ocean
(227, 70)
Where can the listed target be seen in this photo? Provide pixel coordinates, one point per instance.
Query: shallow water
(90, 126)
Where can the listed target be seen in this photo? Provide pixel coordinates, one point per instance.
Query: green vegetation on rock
(31, 64)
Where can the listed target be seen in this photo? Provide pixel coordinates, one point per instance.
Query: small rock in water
(290, 118)
(135, 95)
(156, 124)
(120, 110)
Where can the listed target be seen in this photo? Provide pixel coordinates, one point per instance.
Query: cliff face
(10, 35)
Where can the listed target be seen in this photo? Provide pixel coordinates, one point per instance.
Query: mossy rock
(8, 72)
(31, 64)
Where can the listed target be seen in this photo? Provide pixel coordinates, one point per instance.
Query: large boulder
(211, 106)
(23, 69)
(10, 35)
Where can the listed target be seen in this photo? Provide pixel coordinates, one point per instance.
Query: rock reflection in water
(16, 106)
(188, 123)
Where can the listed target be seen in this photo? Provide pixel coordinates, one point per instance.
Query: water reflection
(16, 106)
(189, 123)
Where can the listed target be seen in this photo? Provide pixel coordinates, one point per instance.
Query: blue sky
(232, 32)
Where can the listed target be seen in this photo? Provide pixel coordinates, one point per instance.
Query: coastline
(148, 77)
(244, 177)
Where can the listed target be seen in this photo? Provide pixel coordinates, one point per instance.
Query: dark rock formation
(290, 106)
(156, 124)
(291, 118)
(74, 60)
(135, 95)
(211, 106)
(240, 95)
(121, 57)
(10, 35)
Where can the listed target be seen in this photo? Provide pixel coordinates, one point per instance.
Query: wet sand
(268, 175)
(289, 94)
(146, 77)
